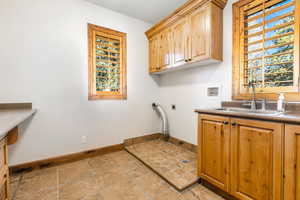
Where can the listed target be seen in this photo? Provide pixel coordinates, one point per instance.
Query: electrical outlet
(213, 91)
(83, 139)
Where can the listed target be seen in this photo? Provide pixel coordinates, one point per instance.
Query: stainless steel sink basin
(244, 110)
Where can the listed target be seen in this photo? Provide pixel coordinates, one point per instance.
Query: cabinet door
(153, 54)
(4, 175)
(292, 163)
(165, 49)
(199, 38)
(256, 172)
(180, 42)
(213, 152)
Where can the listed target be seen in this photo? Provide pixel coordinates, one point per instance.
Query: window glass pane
(280, 12)
(255, 46)
(254, 55)
(279, 59)
(279, 41)
(107, 64)
(280, 49)
(280, 21)
(255, 38)
(272, 64)
(278, 68)
(283, 30)
(254, 63)
(254, 30)
(254, 22)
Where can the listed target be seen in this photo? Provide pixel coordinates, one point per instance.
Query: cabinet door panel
(256, 172)
(214, 142)
(292, 163)
(153, 54)
(199, 37)
(165, 49)
(4, 174)
(180, 31)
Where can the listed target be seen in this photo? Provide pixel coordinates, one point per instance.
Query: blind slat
(271, 20)
(268, 5)
(270, 38)
(270, 47)
(271, 29)
(290, 52)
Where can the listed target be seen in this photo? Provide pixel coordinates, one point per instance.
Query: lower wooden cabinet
(292, 163)
(4, 173)
(214, 141)
(245, 157)
(256, 154)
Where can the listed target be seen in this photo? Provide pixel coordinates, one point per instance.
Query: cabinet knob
(186, 60)
(190, 59)
(225, 122)
(234, 124)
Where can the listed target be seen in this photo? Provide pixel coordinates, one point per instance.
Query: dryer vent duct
(162, 114)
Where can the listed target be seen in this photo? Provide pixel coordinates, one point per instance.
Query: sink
(248, 111)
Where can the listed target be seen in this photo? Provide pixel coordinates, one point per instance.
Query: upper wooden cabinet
(180, 42)
(191, 36)
(165, 48)
(153, 54)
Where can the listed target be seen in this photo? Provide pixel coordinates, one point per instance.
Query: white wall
(43, 59)
(187, 89)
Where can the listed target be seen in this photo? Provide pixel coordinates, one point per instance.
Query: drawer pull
(234, 124)
(225, 122)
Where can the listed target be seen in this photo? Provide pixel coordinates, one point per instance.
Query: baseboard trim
(96, 152)
(65, 158)
(184, 144)
(142, 139)
(154, 136)
(216, 190)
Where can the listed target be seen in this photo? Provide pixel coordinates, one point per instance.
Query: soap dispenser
(281, 103)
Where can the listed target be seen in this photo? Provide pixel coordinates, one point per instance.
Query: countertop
(288, 117)
(10, 118)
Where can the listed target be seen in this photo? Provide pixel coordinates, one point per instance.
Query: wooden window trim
(294, 95)
(92, 93)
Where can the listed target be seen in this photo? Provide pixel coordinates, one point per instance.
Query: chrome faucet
(252, 104)
(253, 101)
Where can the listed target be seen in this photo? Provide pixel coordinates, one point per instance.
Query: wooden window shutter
(266, 46)
(107, 63)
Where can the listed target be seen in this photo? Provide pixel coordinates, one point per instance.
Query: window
(107, 63)
(266, 48)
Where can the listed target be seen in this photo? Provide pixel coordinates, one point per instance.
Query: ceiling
(150, 11)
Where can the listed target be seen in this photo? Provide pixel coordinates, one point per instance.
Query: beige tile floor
(115, 176)
(168, 160)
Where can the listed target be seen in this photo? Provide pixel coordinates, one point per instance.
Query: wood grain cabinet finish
(180, 42)
(4, 174)
(245, 157)
(165, 49)
(292, 163)
(256, 153)
(214, 141)
(154, 54)
(192, 34)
